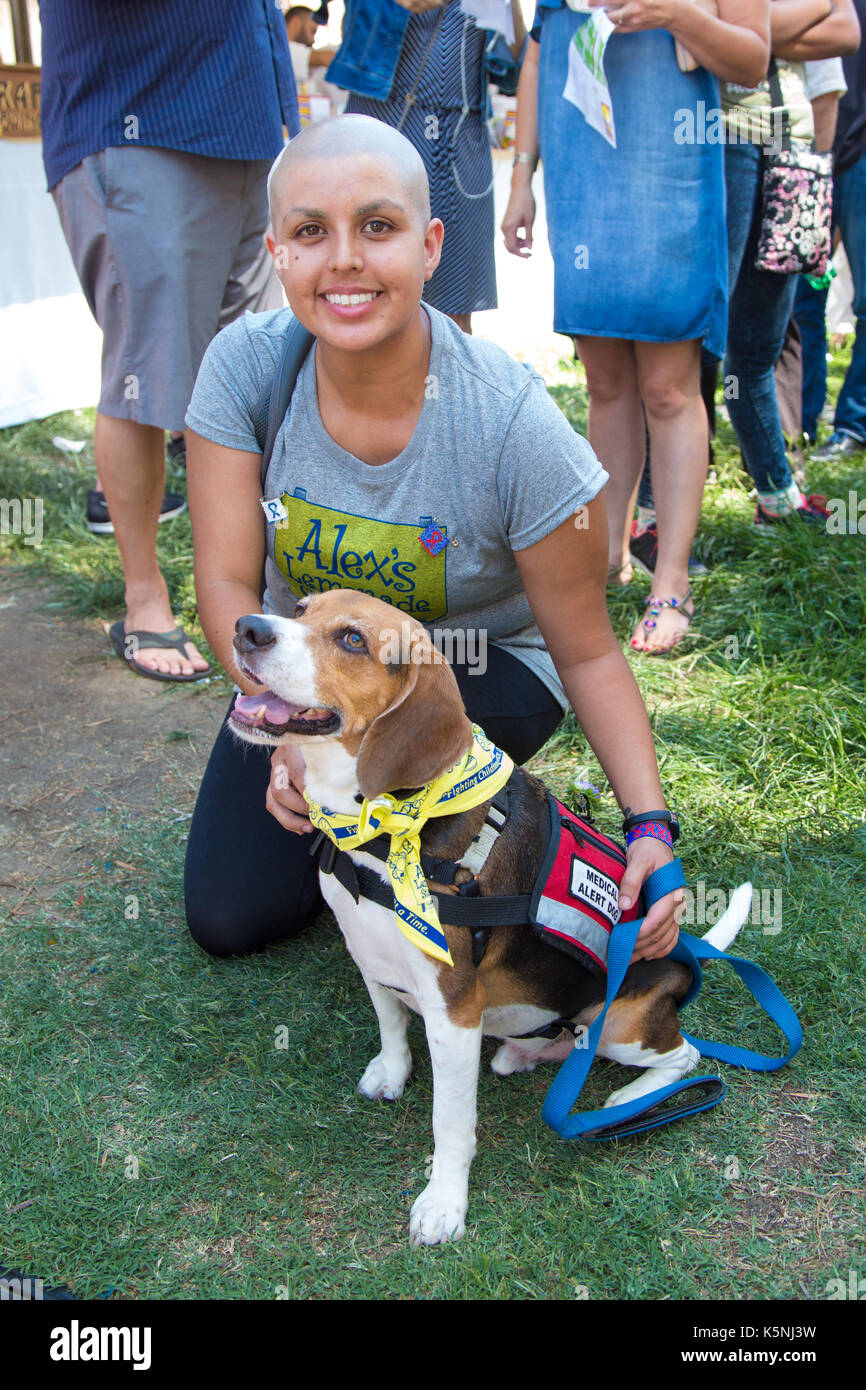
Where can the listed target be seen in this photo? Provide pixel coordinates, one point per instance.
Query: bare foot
(665, 625)
(157, 617)
(618, 576)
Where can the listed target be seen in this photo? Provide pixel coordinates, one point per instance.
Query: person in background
(824, 83)
(637, 234)
(761, 301)
(308, 63)
(417, 65)
(159, 125)
(849, 220)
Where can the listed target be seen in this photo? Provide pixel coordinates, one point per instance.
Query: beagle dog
(368, 723)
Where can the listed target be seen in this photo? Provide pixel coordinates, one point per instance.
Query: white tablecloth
(50, 346)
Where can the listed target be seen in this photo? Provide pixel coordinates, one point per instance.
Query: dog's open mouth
(270, 716)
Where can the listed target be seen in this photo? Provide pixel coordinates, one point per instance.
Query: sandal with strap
(613, 573)
(129, 644)
(655, 606)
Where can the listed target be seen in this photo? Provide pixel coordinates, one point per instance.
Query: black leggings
(248, 881)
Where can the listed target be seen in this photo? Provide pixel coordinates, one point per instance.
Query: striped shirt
(211, 77)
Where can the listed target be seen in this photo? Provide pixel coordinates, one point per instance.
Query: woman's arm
(224, 487)
(519, 28)
(520, 213)
(790, 18)
(736, 46)
(564, 577)
(836, 34)
(825, 113)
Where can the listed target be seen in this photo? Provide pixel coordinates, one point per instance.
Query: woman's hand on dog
(659, 933)
(285, 799)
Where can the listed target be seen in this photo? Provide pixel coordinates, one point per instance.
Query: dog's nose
(254, 633)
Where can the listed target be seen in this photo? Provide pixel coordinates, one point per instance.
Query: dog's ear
(420, 735)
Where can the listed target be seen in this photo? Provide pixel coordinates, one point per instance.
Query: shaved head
(349, 137)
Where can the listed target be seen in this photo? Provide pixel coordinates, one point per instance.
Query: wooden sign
(20, 87)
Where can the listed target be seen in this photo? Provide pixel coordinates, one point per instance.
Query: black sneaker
(175, 451)
(644, 550)
(100, 523)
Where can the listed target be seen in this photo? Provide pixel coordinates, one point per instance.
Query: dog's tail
(728, 926)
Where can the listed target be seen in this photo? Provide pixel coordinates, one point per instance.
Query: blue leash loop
(696, 1093)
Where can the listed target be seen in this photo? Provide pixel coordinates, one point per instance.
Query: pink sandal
(655, 606)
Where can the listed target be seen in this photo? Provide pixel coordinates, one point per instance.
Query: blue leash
(696, 1093)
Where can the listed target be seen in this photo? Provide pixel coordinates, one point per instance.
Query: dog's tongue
(265, 708)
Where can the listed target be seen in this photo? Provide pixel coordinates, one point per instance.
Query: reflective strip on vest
(575, 926)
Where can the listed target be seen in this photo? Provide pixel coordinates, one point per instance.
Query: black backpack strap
(777, 97)
(269, 411)
(273, 402)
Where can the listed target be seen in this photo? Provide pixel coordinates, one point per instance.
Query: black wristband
(667, 818)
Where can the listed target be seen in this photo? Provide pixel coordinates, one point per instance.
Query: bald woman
(398, 420)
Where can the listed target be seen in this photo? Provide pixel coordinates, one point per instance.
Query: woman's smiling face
(354, 248)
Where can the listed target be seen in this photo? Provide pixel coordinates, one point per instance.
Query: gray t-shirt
(492, 467)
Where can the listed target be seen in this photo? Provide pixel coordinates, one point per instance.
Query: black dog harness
(573, 905)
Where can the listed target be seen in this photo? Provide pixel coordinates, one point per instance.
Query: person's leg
(850, 207)
(252, 283)
(617, 433)
(709, 380)
(788, 374)
(247, 880)
(128, 447)
(670, 386)
(645, 499)
(130, 461)
(810, 310)
(759, 310)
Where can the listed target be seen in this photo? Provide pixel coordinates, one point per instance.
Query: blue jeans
(759, 309)
(849, 214)
(810, 310)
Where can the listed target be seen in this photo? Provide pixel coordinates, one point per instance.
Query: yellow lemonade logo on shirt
(317, 548)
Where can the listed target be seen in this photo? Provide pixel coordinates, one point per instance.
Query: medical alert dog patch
(594, 888)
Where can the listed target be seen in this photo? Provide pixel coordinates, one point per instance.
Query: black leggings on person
(248, 881)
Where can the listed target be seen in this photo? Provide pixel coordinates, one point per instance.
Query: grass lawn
(157, 1141)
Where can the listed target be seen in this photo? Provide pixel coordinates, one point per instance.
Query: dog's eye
(300, 610)
(353, 641)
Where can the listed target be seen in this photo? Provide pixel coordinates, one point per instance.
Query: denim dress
(637, 233)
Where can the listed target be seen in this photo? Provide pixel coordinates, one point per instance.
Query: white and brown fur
(401, 725)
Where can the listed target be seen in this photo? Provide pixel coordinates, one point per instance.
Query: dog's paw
(384, 1080)
(438, 1215)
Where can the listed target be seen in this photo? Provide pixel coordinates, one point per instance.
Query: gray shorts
(169, 248)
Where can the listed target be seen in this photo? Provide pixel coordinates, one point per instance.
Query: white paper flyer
(586, 86)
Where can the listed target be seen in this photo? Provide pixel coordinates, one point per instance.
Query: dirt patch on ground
(82, 740)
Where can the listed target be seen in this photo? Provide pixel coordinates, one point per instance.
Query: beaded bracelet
(655, 829)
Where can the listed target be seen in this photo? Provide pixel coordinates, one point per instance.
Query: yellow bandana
(475, 778)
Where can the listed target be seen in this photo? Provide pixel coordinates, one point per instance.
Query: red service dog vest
(575, 900)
